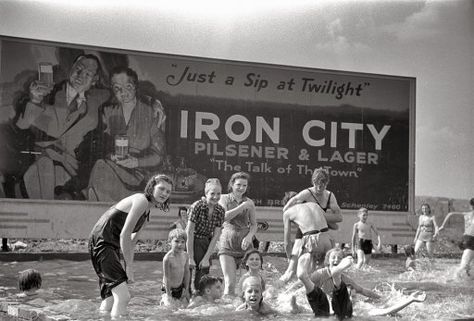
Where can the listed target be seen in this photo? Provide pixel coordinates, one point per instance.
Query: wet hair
(236, 176)
(247, 255)
(211, 182)
(287, 197)
(29, 280)
(244, 286)
(150, 186)
(427, 205)
(206, 282)
(177, 233)
(320, 175)
(182, 208)
(409, 250)
(328, 254)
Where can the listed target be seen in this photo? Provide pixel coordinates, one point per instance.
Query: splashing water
(70, 291)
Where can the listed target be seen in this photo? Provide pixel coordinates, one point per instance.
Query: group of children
(194, 237)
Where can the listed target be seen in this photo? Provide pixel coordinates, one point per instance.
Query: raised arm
(298, 198)
(446, 219)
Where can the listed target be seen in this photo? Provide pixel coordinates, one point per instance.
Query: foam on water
(70, 290)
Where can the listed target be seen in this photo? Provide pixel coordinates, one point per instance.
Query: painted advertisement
(93, 124)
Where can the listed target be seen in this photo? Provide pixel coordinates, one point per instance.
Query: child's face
(162, 191)
(363, 215)
(183, 214)
(253, 295)
(178, 244)
(335, 258)
(239, 186)
(213, 194)
(254, 262)
(425, 210)
(215, 291)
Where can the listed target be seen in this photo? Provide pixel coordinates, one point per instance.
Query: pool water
(70, 292)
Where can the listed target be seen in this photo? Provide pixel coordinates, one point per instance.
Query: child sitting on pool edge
(176, 274)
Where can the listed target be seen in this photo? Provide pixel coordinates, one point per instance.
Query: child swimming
(209, 290)
(253, 262)
(29, 282)
(253, 298)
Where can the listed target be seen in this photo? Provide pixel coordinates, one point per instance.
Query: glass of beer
(121, 147)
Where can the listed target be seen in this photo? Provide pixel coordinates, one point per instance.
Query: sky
(430, 40)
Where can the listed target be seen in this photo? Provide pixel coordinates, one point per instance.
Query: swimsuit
(366, 246)
(315, 242)
(299, 234)
(104, 248)
(426, 231)
(175, 292)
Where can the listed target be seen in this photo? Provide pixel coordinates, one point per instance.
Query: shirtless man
(316, 240)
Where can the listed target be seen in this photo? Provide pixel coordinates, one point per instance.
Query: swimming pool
(70, 291)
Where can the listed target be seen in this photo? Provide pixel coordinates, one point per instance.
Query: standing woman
(118, 230)
(326, 200)
(426, 231)
(240, 226)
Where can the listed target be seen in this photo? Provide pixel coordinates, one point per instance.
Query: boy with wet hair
(176, 272)
(29, 281)
(208, 291)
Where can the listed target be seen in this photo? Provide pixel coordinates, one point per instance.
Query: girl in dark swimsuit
(118, 230)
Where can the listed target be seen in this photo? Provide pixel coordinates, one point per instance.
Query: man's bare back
(308, 216)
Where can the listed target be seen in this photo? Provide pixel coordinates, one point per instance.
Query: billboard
(93, 124)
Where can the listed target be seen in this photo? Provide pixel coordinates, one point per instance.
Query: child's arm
(186, 278)
(379, 240)
(212, 245)
(435, 226)
(166, 275)
(354, 239)
(287, 234)
(345, 263)
(417, 296)
(417, 229)
(190, 243)
(359, 289)
(446, 219)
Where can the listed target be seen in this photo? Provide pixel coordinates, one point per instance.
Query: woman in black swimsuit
(325, 199)
(118, 230)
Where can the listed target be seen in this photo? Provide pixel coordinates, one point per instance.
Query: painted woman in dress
(138, 122)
